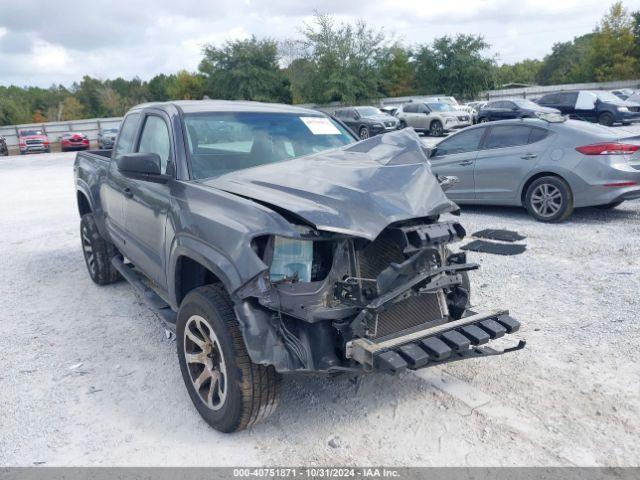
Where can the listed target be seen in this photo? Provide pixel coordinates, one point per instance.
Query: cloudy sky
(43, 42)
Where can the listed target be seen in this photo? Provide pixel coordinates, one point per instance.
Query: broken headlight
(292, 260)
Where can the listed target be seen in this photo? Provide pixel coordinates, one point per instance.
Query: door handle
(464, 163)
(528, 156)
(127, 192)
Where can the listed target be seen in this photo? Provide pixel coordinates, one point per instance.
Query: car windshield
(26, 133)
(522, 103)
(222, 142)
(440, 107)
(368, 111)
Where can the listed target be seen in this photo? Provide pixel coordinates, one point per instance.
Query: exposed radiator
(405, 314)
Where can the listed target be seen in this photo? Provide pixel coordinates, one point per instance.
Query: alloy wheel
(87, 248)
(546, 200)
(205, 362)
(364, 133)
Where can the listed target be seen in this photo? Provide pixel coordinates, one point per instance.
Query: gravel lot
(88, 376)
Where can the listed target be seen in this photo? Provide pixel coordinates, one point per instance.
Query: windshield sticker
(320, 126)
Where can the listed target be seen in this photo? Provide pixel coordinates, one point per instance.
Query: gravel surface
(88, 376)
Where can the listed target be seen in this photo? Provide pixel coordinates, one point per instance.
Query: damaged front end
(330, 302)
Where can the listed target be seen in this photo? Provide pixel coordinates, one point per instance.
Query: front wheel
(605, 118)
(549, 199)
(403, 124)
(364, 133)
(229, 391)
(435, 130)
(483, 120)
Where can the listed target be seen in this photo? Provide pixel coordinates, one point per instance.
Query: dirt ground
(88, 377)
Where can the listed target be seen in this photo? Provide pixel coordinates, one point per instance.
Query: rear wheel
(435, 130)
(605, 118)
(483, 120)
(364, 133)
(229, 391)
(549, 199)
(97, 252)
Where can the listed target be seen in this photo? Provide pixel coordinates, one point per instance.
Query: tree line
(341, 62)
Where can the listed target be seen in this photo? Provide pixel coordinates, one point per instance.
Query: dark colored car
(33, 140)
(279, 244)
(107, 138)
(366, 121)
(74, 141)
(593, 106)
(512, 108)
(4, 150)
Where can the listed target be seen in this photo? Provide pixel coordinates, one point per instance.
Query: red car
(74, 141)
(33, 140)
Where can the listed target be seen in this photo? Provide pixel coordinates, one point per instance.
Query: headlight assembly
(292, 259)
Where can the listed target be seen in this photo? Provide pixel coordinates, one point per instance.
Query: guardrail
(54, 130)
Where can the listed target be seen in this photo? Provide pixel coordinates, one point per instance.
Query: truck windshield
(222, 142)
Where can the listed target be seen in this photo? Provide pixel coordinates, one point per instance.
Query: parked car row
(606, 108)
(35, 140)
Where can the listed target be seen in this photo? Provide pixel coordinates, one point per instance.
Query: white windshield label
(320, 126)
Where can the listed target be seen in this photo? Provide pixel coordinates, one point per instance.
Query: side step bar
(444, 343)
(154, 300)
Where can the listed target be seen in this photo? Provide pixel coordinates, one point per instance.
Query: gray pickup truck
(275, 242)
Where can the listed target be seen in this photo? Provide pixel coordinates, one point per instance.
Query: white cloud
(42, 46)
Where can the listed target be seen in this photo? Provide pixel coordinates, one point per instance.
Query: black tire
(609, 206)
(97, 252)
(605, 118)
(250, 391)
(364, 133)
(549, 199)
(403, 124)
(435, 129)
(483, 120)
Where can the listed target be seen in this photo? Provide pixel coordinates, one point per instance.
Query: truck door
(147, 204)
(113, 189)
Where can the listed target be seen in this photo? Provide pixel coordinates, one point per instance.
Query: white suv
(434, 118)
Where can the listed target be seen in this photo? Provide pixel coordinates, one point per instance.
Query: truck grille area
(402, 315)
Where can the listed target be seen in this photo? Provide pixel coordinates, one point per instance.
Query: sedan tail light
(609, 149)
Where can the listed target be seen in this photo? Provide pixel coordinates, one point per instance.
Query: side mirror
(144, 166)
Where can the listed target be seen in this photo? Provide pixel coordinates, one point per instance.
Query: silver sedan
(548, 166)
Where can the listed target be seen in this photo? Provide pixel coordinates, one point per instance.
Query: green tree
(568, 62)
(397, 76)
(157, 88)
(525, 71)
(342, 60)
(613, 53)
(186, 86)
(244, 70)
(455, 66)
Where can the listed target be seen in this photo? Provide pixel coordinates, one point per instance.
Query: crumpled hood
(358, 189)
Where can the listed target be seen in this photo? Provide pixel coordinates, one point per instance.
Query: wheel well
(189, 275)
(84, 206)
(525, 187)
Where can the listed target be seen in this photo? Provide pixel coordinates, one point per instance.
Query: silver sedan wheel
(546, 200)
(205, 362)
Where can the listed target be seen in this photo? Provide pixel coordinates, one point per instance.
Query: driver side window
(155, 139)
(460, 143)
